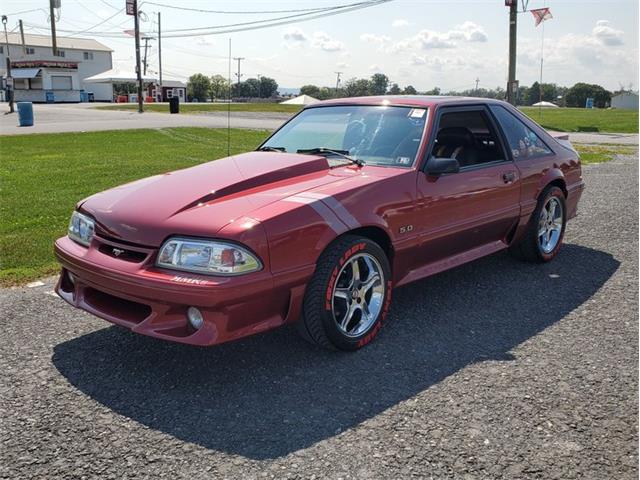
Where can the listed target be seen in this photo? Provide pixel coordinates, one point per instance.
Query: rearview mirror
(439, 166)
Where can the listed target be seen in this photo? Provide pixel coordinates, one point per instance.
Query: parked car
(346, 201)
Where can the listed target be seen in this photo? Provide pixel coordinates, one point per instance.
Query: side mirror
(438, 166)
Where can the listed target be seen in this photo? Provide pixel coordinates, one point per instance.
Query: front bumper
(154, 302)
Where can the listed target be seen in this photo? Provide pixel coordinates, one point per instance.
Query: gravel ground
(497, 369)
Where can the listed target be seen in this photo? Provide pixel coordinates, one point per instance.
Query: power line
(98, 24)
(245, 12)
(243, 26)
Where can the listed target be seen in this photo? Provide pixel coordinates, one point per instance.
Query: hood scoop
(261, 169)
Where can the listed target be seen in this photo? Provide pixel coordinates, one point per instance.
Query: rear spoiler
(558, 135)
(562, 138)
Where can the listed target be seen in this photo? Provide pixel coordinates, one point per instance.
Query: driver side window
(469, 137)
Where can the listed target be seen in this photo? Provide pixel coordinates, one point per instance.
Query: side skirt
(451, 262)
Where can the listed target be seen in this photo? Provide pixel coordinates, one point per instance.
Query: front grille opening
(122, 253)
(117, 307)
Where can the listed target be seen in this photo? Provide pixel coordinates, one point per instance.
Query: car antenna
(229, 104)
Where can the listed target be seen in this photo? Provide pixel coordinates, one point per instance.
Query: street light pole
(512, 84)
(8, 78)
(136, 24)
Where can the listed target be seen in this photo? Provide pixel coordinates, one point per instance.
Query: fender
(549, 176)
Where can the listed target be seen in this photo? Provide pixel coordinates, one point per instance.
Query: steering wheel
(354, 134)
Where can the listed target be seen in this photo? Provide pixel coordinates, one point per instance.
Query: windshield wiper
(272, 149)
(339, 153)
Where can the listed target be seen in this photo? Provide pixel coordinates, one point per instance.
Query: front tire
(349, 295)
(545, 232)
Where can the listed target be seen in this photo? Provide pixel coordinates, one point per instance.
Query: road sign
(131, 9)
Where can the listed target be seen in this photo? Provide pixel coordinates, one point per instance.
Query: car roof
(406, 100)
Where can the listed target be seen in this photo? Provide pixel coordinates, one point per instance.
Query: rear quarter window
(523, 142)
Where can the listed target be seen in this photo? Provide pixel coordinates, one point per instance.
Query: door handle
(508, 177)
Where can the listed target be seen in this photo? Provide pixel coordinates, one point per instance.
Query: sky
(424, 43)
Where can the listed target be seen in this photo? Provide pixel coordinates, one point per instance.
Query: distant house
(625, 100)
(38, 75)
(170, 89)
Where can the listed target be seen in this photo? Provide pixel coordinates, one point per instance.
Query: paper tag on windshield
(417, 112)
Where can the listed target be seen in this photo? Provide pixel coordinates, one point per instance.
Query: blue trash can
(49, 97)
(25, 114)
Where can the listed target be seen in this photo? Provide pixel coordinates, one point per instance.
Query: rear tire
(349, 295)
(545, 231)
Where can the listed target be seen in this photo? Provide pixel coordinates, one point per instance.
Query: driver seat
(458, 143)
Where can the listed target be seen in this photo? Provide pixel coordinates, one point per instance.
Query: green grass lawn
(584, 120)
(43, 176)
(208, 107)
(602, 153)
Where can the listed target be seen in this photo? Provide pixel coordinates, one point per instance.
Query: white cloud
(584, 57)
(606, 34)
(204, 42)
(325, 42)
(381, 40)
(470, 32)
(400, 22)
(375, 68)
(294, 35)
(342, 65)
(467, 32)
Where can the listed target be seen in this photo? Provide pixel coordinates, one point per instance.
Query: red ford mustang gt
(347, 200)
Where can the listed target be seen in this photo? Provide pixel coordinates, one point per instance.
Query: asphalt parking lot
(83, 117)
(497, 369)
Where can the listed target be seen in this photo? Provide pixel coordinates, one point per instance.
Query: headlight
(81, 228)
(204, 256)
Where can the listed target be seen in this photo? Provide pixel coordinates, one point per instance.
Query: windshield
(377, 135)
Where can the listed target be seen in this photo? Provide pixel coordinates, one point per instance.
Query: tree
(268, 87)
(326, 92)
(433, 91)
(410, 90)
(219, 87)
(578, 94)
(378, 84)
(395, 89)
(357, 87)
(198, 87)
(310, 90)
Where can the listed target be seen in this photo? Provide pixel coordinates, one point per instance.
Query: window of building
(523, 142)
(169, 93)
(1, 49)
(469, 137)
(30, 51)
(59, 82)
(88, 55)
(60, 53)
(35, 83)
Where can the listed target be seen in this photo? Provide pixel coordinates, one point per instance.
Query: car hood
(201, 200)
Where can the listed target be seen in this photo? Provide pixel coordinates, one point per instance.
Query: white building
(625, 100)
(40, 76)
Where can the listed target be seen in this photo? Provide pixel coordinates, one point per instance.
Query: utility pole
(337, 81)
(52, 13)
(512, 84)
(8, 79)
(477, 82)
(146, 46)
(160, 57)
(238, 59)
(136, 23)
(24, 47)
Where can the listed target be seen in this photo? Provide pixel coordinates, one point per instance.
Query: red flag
(541, 14)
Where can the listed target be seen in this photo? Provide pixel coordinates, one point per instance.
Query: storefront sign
(45, 64)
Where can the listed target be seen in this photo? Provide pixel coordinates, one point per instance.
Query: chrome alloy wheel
(358, 294)
(550, 225)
